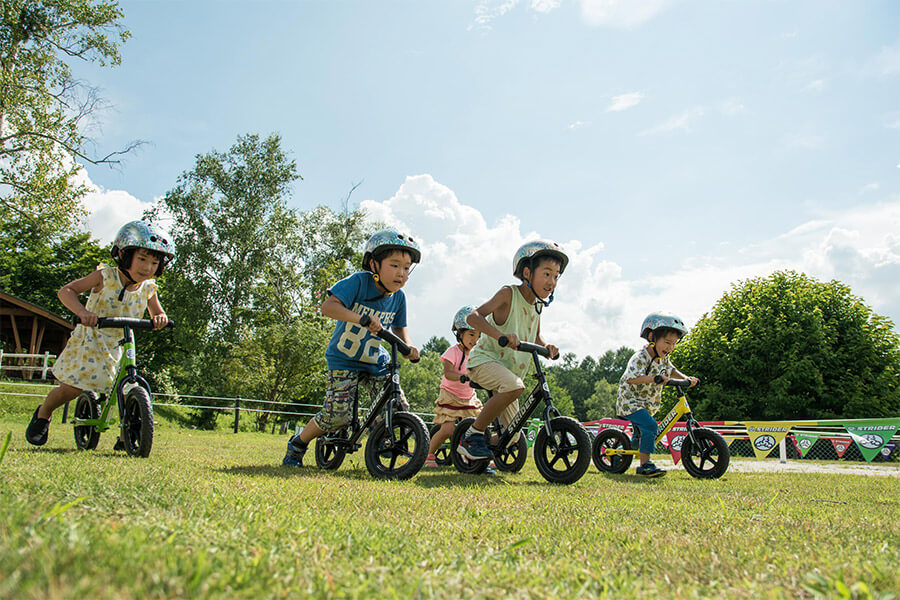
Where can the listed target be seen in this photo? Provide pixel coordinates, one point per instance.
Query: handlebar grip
(463, 378)
(365, 320)
(393, 339)
(534, 348)
(502, 341)
(682, 383)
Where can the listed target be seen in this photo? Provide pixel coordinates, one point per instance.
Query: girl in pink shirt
(456, 399)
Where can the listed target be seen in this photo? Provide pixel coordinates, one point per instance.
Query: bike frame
(387, 399)
(126, 375)
(681, 409)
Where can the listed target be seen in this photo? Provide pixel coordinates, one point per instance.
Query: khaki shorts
(497, 378)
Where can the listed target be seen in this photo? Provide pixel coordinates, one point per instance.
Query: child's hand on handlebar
(159, 321)
(554, 351)
(694, 381)
(661, 379)
(413, 354)
(372, 324)
(87, 318)
(512, 340)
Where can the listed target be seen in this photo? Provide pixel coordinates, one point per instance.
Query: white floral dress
(91, 356)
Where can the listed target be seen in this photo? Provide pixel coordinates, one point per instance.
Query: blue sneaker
(474, 447)
(648, 469)
(294, 455)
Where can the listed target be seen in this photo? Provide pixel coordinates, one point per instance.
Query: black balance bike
(562, 447)
(398, 441)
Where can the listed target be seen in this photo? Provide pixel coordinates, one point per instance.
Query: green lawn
(213, 514)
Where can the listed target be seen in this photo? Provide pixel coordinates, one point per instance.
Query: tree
(602, 403)
(44, 109)
(612, 364)
(791, 347)
(436, 345)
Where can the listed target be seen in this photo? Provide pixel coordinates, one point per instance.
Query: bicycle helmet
(390, 239)
(530, 251)
(142, 234)
(459, 320)
(655, 320)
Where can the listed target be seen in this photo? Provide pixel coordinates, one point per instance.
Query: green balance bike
(704, 453)
(133, 398)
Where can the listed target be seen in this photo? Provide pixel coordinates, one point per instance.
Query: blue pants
(644, 430)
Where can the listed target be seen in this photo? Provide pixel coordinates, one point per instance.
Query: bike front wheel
(708, 458)
(611, 439)
(405, 455)
(564, 457)
(137, 423)
(463, 464)
(87, 406)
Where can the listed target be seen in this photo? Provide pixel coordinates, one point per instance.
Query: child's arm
(69, 293)
(450, 371)
(403, 334)
(335, 309)
(554, 351)
(157, 314)
(499, 307)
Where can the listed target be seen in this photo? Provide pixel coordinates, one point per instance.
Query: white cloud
(598, 306)
(816, 85)
(622, 14)
(681, 122)
(488, 10)
(886, 63)
(544, 6)
(731, 107)
(108, 210)
(624, 101)
(578, 124)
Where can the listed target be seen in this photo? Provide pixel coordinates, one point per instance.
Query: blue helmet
(655, 320)
(143, 234)
(390, 238)
(459, 320)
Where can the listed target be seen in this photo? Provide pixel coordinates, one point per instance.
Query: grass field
(213, 514)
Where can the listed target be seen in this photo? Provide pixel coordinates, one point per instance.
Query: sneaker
(473, 447)
(294, 455)
(648, 469)
(431, 462)
(489, 471)
(38, 429)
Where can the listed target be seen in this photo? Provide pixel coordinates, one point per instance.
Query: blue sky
(672, 147)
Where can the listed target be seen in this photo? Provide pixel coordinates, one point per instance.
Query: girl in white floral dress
(91, 356)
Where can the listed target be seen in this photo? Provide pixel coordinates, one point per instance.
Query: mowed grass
(213, 514)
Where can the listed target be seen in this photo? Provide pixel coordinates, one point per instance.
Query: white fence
(30, 358)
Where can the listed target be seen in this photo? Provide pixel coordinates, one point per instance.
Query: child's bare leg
(643, 457)
(494, 407)
(440, 436)
(57, 397)
(311, 432)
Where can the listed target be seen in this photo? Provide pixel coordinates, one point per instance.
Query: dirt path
(796, 466)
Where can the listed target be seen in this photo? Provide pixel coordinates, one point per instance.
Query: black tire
(442, 454)
(708, 458)
(512, 458)
(463, 464)
(137, 423)
(87, 406)
(566, 458)
(611, 438)
(330, 456)
(406, 457)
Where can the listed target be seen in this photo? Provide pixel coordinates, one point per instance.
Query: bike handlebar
(122, 322)
(682, 383)
(527, 347)
(389, 337)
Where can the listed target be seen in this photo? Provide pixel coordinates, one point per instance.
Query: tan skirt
(449, 408)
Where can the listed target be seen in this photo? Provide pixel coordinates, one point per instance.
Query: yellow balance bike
(704, 453)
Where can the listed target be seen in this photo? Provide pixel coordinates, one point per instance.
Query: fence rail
(46, 356)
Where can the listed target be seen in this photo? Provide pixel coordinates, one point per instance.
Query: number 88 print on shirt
(353, 347)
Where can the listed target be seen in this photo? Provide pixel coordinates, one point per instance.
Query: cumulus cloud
(624, 101)
(108, 210)
(598, 306)
(622, 14)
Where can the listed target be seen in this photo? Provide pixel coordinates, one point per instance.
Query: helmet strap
(539, 303)
(128, 276)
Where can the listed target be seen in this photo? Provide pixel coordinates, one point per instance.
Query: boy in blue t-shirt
(355, 355)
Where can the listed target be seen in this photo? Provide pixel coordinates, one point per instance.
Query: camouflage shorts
(342, 391)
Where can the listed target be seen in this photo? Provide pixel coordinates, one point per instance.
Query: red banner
(674, 438)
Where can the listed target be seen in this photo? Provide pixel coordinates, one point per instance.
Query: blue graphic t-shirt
(352, 346)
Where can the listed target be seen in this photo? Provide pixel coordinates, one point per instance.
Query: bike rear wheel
(406, 456)
(137, 423)
(329, 456)
(442, 454)
(87, 406)
(463, 464)
(708, 458)
(566, 456)
(609, 439)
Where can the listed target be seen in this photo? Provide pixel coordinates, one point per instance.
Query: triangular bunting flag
(674, 439)
(840, 445)
(765, 435)
(870, 436)
(804, 441)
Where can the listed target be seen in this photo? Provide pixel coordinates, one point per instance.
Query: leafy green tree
(34, 266)
(790, 347)
(44, 108)
(602, 403)
(612, 363)
(437, 345)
